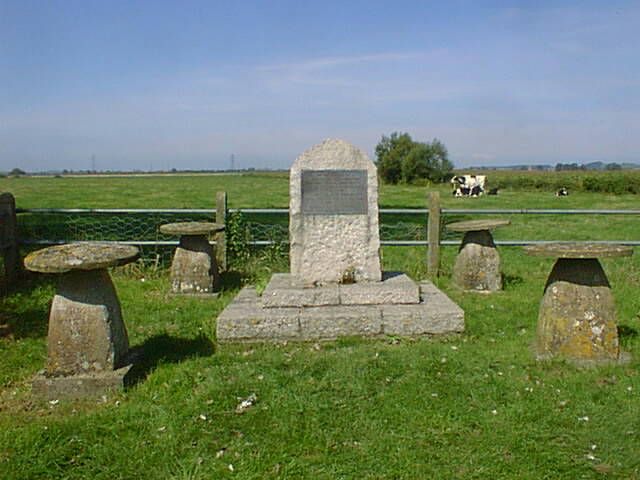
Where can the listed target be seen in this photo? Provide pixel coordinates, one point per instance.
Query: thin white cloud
(323, 63)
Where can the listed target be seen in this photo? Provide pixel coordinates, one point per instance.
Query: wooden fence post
(433, 235)
(9, 237)
(221, 239)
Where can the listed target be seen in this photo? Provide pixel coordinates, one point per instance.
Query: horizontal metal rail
(116, 210)
(535, 211)
(398, 211)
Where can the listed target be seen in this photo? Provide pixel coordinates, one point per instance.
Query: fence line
(425, 232)
(409, 211)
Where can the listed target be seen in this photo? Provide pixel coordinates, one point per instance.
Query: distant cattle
(562, 192)
(468, 185)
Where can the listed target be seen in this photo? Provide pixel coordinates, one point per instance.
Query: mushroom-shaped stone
(191, 228)
(86, 333)
(194, 269)
(577, 318)
(80, 256)
(477, 225)
(477, 266)
(578, 250)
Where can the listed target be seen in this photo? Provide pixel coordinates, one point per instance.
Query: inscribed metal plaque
(334, 192)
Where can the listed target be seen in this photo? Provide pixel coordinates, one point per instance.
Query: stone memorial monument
(336, 286)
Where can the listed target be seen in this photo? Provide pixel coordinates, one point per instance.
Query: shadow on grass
(511, 280)
(24, 307)
(232, 280)
(164, 349)
(626, 332)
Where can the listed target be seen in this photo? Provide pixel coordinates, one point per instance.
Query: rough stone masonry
(333, 209)
(336, 287)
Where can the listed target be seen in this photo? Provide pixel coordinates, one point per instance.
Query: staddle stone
(194, 269)
(477, 266)
(191, 228)
(477, 225)
(578, 250)
(577, 317)
(87, 343)
(80, 256)
(333, 219)
(86, 331)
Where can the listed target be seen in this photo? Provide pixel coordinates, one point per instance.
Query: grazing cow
(468, 185)
(562, 192)
(493, 191)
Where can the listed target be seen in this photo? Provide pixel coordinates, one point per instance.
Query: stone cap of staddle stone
(191, 228)
(578, 250)
(80, 256)
(477, 225)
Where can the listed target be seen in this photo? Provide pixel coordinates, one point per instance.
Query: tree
(400, 158)
(390, 153)
(16, 172)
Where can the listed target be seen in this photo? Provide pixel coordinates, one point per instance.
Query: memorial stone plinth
(333, 223)
(577, 317)
(336, 287)
(194, 269)
(477, 266)
(87, 343)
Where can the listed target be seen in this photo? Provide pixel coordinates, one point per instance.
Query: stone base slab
(286, 290)
(79, 386)
(246, 320)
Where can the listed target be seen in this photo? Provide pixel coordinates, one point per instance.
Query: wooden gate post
(221, 239)
(9, 237)
(433, 234)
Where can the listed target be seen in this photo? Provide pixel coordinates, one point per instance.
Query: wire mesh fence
(254, 227)
(246, 228)
(40, 227)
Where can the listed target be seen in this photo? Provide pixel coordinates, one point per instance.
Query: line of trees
(401, 159)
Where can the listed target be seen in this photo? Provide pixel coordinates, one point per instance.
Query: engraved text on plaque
(334, 192)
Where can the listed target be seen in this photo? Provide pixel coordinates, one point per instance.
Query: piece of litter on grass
(220, 452)
(202, 417)
(594, 446)
(453, 347)
(247, 403)
(162, 429)
(230, 467)
(54, 402)
(583, 419)
(591, 456)
(434, 395)
(495, 412)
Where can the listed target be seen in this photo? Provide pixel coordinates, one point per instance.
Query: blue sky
(185, 84)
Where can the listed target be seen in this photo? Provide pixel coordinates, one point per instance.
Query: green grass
(471, 406)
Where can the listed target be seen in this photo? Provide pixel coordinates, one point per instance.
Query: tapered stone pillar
(87, 343)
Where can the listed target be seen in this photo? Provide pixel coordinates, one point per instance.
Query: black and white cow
(562, 192)
(468, 185)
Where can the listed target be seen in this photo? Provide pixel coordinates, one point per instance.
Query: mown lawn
(475, 405)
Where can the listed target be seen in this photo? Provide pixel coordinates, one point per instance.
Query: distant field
(270, 190)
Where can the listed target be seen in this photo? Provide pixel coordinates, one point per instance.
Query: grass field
(475, 405)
